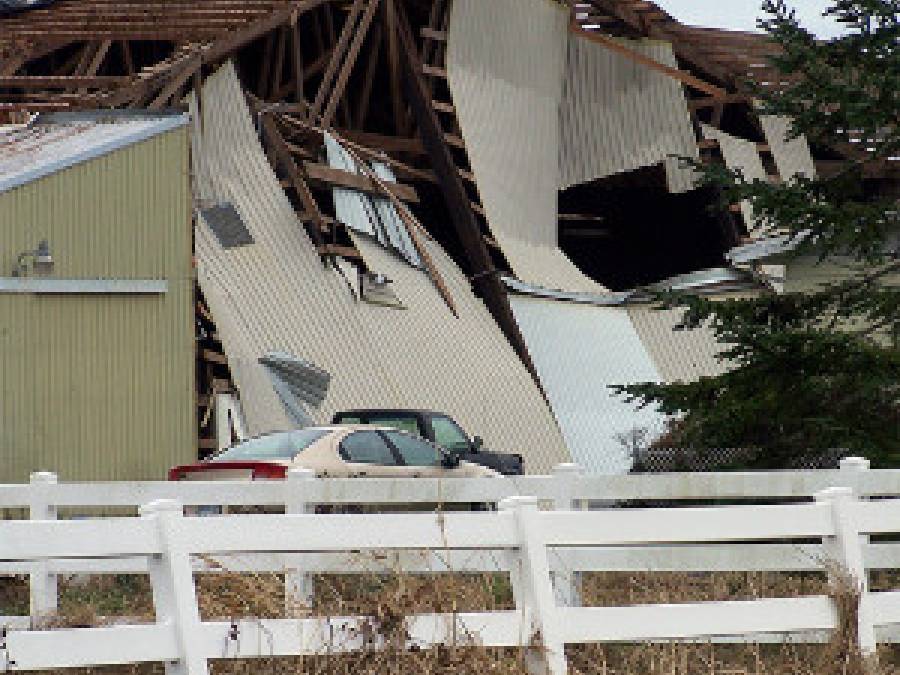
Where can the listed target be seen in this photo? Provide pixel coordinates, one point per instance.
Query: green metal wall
(101, 387)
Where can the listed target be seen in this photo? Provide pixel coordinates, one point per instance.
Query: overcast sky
(742, 14)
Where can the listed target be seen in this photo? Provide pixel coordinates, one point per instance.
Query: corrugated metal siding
(792, 157)
(680, 356)
(275, 295)
(506, 83)
(579, 351)
(101, 387)
(618, 115)
(743, 156)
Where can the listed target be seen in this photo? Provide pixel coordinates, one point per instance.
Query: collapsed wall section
(275, 295)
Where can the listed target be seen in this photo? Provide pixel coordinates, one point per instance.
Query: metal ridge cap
(699, 279)
(584, 298)
(763, 248)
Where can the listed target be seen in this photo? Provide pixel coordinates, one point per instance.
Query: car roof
(327, 429)
(391, 411)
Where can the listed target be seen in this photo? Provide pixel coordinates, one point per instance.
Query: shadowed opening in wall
(628, 230)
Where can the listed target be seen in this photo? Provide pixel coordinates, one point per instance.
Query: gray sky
(742, 14)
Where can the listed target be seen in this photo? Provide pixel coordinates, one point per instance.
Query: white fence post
(174, 593)
(44, 592)
(853, 467)
(533, 591)
(845, 550)
(299, 590)
(567, 584)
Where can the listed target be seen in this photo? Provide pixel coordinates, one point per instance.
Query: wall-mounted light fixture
(41, 260)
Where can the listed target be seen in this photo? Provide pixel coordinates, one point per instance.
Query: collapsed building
(453, 205)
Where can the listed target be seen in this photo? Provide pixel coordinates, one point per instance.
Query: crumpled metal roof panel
(618, 115)
(507, 87)
(579, 351)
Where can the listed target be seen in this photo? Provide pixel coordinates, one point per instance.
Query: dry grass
(389, 598)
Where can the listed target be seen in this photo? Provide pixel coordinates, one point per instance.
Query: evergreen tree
(817, 370)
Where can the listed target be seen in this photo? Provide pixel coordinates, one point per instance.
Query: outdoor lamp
(41, 260)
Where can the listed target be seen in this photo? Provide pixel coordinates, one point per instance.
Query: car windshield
(283, 446)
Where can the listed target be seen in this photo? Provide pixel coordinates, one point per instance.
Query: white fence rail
(567, 488)
(526, 538)
(532, 546)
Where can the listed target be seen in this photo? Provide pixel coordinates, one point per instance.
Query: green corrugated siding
(101, 387)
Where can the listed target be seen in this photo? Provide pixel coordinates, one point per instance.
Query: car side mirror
(449, 461)
(477, 443)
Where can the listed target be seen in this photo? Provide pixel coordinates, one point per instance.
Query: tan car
(342, 451)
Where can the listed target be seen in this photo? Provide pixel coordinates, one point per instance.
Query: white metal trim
(10, 285)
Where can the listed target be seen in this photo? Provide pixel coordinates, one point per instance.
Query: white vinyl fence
(536, 547)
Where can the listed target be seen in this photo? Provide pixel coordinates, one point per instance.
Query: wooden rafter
(340, 84)
(680, 75)
(486, 277)
(337, 56)
(284, 159)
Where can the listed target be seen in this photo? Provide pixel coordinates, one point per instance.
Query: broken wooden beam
(349, 252)
(331, 177)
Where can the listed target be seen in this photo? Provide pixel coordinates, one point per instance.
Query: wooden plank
(699, 103)
(587, 233)
(455, 141)
(365, 96)
(284, 158)
(337, 57)
(349, 252)
(213, 357)
(680, 75)
(61, 81)
(712, 144)
(296, 61)
(440, 106)
(382, 142)
(580, 217)
(434, 71)
(394, 72)
(344, 76)
(321, 174)
(665, 30)
(174, 85)
(468, 176)
(431, 34)
(211, 53)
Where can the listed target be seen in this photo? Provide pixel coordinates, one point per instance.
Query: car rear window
(281, 446)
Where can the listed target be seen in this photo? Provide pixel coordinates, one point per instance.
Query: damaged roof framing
(405, 123)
